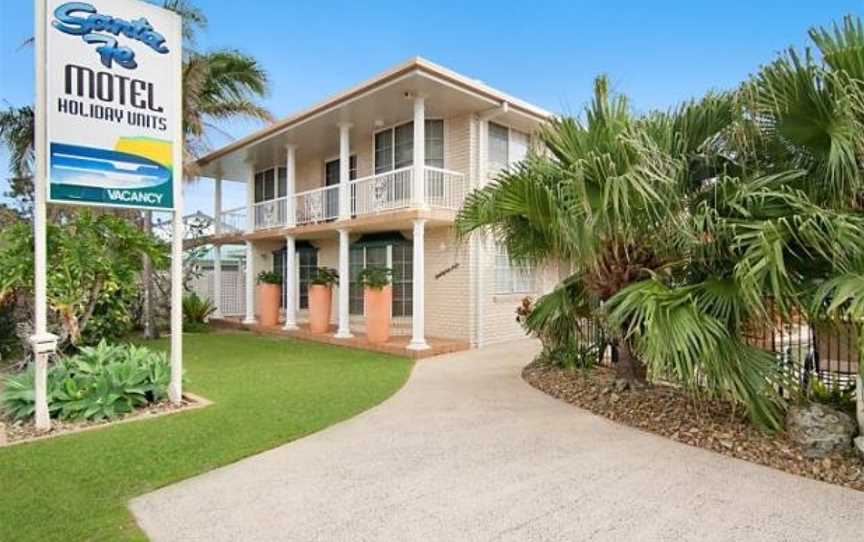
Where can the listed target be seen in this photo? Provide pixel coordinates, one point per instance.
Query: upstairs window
(394, 147)
(271, 184)
(506, 147)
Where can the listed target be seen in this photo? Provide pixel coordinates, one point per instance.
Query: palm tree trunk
(629, 366)
(150, 329)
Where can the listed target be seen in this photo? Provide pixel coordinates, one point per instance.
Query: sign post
(109, 132)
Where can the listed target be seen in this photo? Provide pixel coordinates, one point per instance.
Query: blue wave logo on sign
(82, 19)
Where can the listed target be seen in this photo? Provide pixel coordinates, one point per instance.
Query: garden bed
(671, 413)
(12, 433)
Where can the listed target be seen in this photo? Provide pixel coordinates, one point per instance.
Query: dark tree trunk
(629, 366)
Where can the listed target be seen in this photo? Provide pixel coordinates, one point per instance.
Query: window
(511, 278)
(307, 263)
(307, 258)
(331, 170)
(435, 143)
(506, 147)
(403, 282)
(267, 187)
(397, 254)
(394, 147)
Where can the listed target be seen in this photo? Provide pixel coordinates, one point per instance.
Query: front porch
(397, 345)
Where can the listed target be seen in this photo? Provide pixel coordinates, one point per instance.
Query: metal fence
(827, 351)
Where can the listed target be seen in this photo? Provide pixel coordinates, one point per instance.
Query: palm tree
(686, 228)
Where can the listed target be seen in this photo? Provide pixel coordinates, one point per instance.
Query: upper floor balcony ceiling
(385, 100)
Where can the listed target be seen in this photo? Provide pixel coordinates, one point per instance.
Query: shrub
(325, 276)
(375, 277)
(196, 309)
(100, 382)
(269, 277)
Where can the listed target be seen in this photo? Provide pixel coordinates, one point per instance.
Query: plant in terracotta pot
(320, 298)
(378, 299)
(269, 294)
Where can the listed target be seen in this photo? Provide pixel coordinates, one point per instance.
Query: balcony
(390, 191)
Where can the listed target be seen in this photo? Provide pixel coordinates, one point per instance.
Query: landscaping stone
(708, 423)
(820, 430)
(3, 440)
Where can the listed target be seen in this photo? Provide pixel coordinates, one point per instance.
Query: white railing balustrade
(444, 188)
(382, 192)
(317, 205)
(271, 214)
(234, 220)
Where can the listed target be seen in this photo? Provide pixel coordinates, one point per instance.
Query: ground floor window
(384, 250)
(307, 263)
(511, 278)
(307, 258)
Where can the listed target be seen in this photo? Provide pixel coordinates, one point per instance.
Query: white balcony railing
(382, 192)
(271, 214)
(445, 189)
(317, 205)
(234, 220)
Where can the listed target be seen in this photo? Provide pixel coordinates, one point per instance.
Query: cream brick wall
(448, 292)
(497, 321)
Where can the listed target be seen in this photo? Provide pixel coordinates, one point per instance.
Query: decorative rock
(820, 430)
(3, 440)
(859, 447)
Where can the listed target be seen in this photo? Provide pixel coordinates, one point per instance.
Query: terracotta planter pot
(320, 297)
(378, 304)
(268, 304)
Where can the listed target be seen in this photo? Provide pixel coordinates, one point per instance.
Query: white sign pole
(44, 344)
(175, 391)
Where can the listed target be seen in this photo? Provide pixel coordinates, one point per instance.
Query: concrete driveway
(468, 451)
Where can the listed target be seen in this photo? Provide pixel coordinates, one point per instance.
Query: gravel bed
(710, 424)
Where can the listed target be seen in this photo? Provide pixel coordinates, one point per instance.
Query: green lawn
(267, 391)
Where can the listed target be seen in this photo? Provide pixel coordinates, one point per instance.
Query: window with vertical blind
(511, 278)
(271, 184)
(506, 147)
(394, 147)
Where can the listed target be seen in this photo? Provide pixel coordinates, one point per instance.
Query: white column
(289, 284)
(344, 170)
(344, 331)
(217, 249)
(291, 183)
(418, 316)
(250, 284)
(419, 184)
(250, 196)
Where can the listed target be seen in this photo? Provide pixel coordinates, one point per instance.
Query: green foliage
(93, 266)
(683, 228)
(101, 382)
(326, 276)
(832, 394)
(375, 277)
(196, 311)
(269, 277)
(8, 337)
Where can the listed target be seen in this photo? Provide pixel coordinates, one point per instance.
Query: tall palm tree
(686, 228)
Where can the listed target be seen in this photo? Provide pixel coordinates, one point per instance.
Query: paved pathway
(468, 451)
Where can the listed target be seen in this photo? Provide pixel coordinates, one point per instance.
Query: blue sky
(657, 52)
